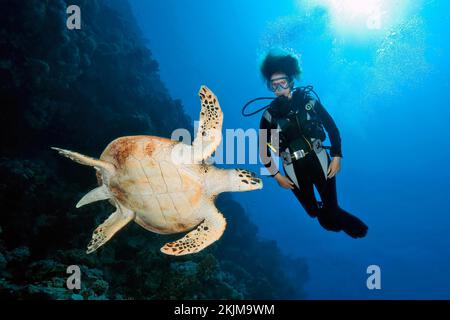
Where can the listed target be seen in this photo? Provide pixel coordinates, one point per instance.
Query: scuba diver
(299, 120)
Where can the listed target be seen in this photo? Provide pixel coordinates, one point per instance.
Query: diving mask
(279, 84)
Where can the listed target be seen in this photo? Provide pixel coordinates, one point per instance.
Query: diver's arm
(266, 156)
(264, 149)
(331, 128)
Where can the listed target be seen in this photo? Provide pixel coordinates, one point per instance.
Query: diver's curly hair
(284, 63)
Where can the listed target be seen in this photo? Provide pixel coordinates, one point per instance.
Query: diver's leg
(332, 217)
(305, 195)
(305, 190)
(328, 216)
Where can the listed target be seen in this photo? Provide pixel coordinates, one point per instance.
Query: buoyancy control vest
(297, 121)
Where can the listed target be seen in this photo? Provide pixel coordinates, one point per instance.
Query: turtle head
(231, 180)
(237, 180)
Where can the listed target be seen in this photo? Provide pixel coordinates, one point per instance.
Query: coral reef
(80, 89)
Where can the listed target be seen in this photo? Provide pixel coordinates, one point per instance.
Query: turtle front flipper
(206, 233)
(209, 132)
(109, 228)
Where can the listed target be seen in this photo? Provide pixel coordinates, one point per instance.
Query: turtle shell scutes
(162, 194)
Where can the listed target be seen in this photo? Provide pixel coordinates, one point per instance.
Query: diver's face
(279, 83)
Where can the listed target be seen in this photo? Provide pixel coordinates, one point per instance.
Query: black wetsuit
(309, 173)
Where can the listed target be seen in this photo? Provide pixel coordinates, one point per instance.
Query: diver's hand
(334, 167)
(283, 181)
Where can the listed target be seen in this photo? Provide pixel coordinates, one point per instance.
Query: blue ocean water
(382, 71)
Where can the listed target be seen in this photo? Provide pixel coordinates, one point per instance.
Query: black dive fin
(353, 226)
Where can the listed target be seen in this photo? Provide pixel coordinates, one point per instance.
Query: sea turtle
(143, 177)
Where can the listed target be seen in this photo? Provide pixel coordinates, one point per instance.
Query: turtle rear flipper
(106, 170)
(97, 194)
(206, 233)
(87, 161)
(116, 221)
